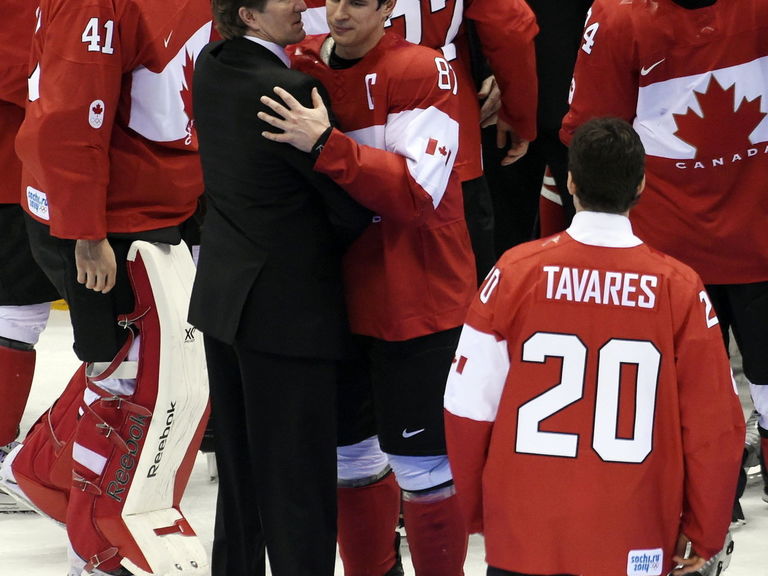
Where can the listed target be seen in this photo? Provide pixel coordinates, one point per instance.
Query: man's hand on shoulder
(301, 126)
(96, 266)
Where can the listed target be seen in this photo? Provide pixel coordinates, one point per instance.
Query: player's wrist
(319, 144)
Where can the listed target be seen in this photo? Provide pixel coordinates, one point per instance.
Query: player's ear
(387, 7)
(572, 187)
(640, 187)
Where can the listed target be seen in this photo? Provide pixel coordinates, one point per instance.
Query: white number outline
(489, 284)
(446, 75)
(570, 389)
(92, 38)
(709, 315)
(410, 12)
(589, 34)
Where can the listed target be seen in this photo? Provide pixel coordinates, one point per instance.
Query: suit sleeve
(712, 426)
(472, 395)
(74, 93)
(605, 80)
(348, 218)
(506, 29)
(406, 181)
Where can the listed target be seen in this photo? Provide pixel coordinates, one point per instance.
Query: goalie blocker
(133, 454)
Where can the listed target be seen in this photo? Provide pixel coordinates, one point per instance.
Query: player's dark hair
(227, 19)
(607, 162)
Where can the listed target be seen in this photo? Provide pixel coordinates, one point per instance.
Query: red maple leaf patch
(97, 109)
(724, 127)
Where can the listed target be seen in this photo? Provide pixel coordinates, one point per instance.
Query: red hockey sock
(367, 520)
(16, 370)
(436, 535)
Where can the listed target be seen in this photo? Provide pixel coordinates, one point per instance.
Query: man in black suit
(268, 297)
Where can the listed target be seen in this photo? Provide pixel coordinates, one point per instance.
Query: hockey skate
(752, 443)
(8, 502)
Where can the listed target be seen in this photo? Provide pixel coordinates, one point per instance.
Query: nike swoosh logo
(645, 71)
(407, 434)
(167, 39)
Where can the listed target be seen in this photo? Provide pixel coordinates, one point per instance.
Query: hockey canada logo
(96, 114)
(719, 108)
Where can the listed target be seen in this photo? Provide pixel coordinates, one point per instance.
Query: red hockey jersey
(411, 272)
(590, 412)
(108, 143)
(695, 85)
(15, 39)
(506, 30)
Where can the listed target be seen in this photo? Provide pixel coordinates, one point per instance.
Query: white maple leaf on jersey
(660, 106)
(157, 106)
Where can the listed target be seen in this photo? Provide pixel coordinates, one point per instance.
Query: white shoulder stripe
(429, 140)
(477, 376)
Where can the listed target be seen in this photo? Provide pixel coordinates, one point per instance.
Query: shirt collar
(276, 49)
(603, 229)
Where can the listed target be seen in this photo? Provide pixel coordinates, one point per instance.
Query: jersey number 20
(605, 441)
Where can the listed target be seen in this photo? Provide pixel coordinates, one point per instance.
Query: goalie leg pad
(42, 468)
(16, 370)
(134, 453)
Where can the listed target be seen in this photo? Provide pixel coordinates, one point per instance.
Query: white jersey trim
(429, 141)
(603, 229)
(157, 108)
(477, 376)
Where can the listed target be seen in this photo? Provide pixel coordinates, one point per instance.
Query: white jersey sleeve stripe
(477, 376)
(429, 141)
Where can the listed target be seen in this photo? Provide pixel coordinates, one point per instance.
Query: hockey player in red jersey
(109, 157)
(506, 30)
(692, 77)
(591, 367)
(408, 278)
(25, 291)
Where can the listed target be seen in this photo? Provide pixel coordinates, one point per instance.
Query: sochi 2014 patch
(645, 562)
(37, 202)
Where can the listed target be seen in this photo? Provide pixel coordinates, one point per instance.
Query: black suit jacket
(269, 273)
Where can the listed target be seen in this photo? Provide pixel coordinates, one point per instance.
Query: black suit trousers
(276, 454)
